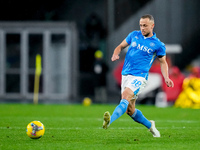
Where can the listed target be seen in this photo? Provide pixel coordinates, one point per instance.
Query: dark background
(83, 13)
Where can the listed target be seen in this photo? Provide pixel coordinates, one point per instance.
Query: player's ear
(153, 25)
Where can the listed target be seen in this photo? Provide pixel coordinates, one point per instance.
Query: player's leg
(137, 85)
(137, 115)
(120, 109)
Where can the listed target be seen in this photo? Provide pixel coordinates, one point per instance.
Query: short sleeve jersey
(141, 53)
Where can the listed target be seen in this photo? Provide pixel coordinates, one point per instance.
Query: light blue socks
(119, 110)
(140, 118)
(137, 115)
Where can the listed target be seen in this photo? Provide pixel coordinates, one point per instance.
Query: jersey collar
(154, 36)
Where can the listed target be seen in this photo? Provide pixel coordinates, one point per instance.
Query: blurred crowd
(186, 90)
(189, 97)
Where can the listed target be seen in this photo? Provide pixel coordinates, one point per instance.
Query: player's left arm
(164, 70)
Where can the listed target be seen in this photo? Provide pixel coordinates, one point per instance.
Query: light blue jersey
(141, 53)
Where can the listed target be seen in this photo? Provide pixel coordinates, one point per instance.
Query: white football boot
(106, 120)
(153, 129)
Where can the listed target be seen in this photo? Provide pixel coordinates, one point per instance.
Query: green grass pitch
(76, 127)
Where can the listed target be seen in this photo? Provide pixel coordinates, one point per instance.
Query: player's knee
(126, 96)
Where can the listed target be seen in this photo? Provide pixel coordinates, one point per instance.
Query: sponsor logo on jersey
(134, 44)
(144, 48)
(136, 37)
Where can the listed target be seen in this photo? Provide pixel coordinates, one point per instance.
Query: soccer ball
(87, 101)
(35, 129)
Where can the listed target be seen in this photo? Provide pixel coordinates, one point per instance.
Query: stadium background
(176, 23)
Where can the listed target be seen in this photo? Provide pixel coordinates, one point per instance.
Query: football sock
(119, 110)
(140, 118)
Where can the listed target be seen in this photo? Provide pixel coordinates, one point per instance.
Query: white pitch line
(174, 121)
(101, 119)
(94, 128)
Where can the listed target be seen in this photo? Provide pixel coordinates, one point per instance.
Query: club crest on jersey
(152, 44)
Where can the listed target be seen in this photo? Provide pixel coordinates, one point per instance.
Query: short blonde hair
(148, 16)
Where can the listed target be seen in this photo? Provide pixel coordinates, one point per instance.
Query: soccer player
(144, 47)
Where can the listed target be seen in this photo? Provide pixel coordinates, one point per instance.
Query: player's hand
(169, 82)
(114, 57)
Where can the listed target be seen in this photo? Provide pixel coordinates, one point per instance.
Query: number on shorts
(136, 83)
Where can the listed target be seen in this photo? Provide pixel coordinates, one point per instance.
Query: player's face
(146, 27)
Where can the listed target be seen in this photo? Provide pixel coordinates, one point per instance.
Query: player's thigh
(127, 94)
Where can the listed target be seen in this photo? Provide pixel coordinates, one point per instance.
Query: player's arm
(118, 49)
(164, 70)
